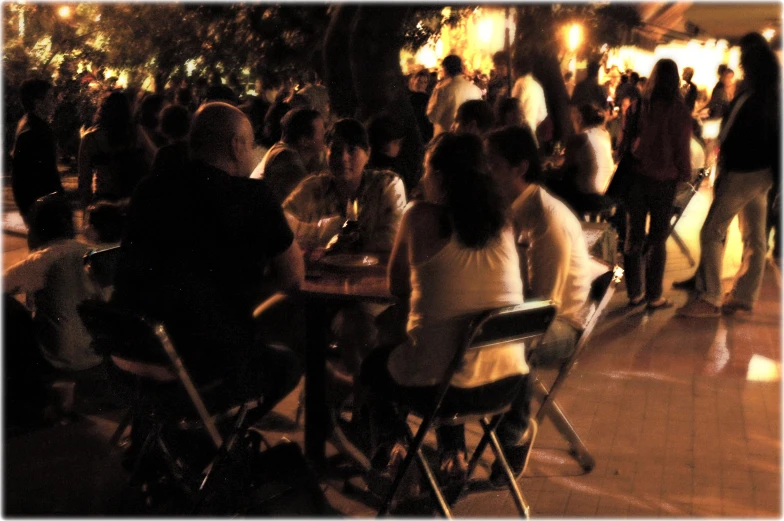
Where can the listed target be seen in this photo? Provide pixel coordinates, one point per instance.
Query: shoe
(636, 301)
(688, 284)
(453, 469)
(731, 305)
(516, 456)
(662, 303)
(381, 475)
(698, 308)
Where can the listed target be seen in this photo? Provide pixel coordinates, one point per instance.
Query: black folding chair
(101, 267)
(524, 323)
(602, 290)
(682, 200)
(142, 353)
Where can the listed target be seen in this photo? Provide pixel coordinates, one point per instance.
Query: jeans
(745, 195)
(557, 345)
(654, 197)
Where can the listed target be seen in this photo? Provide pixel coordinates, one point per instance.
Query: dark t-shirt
(34, 172)
(194, 256)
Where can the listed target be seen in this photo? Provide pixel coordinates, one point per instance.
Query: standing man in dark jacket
(588, 91)
(34, 166)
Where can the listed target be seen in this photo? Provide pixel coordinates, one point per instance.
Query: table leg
(315, 405)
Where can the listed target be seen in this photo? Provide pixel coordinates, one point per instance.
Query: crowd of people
(215, 195)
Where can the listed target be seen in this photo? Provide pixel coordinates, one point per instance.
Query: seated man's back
(194, 256)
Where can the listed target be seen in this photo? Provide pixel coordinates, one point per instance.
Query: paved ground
(682, 415)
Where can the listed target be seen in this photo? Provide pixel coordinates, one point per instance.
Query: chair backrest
(101, 267)
(523, 323)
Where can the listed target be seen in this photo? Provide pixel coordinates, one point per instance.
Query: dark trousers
(647, 252)
(390, 426)
(27, 373)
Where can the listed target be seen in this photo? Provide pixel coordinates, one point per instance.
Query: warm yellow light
(64, 12)
(486, 30)
(575, 35)
(769, 34)
(762, 369)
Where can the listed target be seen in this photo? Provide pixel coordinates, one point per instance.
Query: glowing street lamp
(575, 35)
(769, 34)
(64, 12)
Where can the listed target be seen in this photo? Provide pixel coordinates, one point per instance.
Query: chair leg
(520, 501)
(576, 446)
(415, 450)
(221, 456)
(682, 246)
(121, 428)
(553, 411)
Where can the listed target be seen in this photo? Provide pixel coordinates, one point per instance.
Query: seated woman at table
(376, 198)
(454, 254)
(588, 165)
(349, 191)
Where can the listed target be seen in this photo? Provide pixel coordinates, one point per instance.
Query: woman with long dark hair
(749, 165)
(662, 149)
(114, 154)
(454, 254)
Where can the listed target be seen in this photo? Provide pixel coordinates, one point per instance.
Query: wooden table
(324, 286)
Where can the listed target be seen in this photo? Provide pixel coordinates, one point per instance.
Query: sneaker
(698, 308)
(731, 305)
(516, 456)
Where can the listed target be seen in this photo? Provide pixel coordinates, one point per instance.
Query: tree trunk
(547, 70)
(372, 46)
(376, 40)
(337, 67)
(534, 37)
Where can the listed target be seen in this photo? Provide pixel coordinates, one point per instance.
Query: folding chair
(524, 323)
(602, 290)
(142, 352)
(682, 200)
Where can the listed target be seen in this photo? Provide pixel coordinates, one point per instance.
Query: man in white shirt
(451, 92)
(559, 267)
(530, 93)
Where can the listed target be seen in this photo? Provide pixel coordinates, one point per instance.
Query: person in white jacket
(451, 92)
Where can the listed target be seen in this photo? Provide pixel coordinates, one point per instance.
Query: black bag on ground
(276, 482)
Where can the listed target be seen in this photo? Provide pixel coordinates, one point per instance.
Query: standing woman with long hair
(662, 149)
(749, 165)
(114, 153)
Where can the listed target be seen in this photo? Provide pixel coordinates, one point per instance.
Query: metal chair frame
(526, 322)
(162, 367)
(602, 290)
(677, 212)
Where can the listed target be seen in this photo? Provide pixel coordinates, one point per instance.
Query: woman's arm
(399, 268)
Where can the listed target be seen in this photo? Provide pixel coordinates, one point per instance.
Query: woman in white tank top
(454, 255)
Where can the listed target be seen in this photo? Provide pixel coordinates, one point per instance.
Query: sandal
(636, 301)
(662, 303)
(453, 468)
